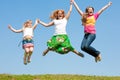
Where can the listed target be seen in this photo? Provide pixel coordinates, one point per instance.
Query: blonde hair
(55, 14)
(25, 23)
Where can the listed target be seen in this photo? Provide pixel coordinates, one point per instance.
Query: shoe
(29, 61)
(80, 54)
(45, 52)
(98, 58)
(25, 63)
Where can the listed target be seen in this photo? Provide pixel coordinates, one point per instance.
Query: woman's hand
(110, 3)
(71, 1)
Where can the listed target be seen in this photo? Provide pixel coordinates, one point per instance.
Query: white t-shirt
(28, 32)
(60, 26)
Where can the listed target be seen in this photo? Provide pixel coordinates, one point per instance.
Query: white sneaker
(98, 58)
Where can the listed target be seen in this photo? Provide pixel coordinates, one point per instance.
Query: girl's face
(28, 24)
(60, 14)
(90, 11)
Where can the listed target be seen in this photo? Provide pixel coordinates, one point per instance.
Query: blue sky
(16, 12)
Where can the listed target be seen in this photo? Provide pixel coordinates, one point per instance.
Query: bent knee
(84, 48)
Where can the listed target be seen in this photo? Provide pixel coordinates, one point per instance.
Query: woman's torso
(60, 26)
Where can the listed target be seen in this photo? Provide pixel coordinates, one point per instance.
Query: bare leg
(24, 59)
(26, 55)
(30, 53)
(78, 53)
(45, 52)
(29, 57)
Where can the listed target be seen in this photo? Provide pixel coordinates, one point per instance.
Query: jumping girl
(88, 21)
(27, 42)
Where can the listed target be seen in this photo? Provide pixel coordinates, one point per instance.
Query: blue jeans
(86, 44)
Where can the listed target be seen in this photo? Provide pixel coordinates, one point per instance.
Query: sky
(16, 12)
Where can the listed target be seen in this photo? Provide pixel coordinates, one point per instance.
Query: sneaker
(80, 54)
(45, 52)
(25, 63)
(98, 58)
(28, 61)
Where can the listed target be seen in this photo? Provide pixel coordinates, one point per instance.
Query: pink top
(89, 26)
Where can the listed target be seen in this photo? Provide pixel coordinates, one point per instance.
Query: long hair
(85, 15)
(55, 14)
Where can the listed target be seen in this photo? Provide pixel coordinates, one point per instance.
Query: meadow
(56, 77)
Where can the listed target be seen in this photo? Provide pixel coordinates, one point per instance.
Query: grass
(56, 77)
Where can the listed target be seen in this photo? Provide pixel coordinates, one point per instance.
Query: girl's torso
(89, 26)
(28, 33)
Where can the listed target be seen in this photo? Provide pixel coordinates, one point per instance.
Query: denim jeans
(86, 44)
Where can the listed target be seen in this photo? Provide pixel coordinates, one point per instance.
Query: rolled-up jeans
(86, 44)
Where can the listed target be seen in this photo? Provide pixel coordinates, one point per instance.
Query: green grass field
(56, 77)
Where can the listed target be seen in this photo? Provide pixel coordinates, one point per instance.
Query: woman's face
(60, 14)
(90, 11)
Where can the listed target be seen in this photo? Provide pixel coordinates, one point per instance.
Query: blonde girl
(27, 42)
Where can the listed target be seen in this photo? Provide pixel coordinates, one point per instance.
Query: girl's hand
(9, 26)
(37, 21)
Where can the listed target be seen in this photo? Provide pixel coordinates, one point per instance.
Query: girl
(60, 42)
(88, 21)
(27, 42)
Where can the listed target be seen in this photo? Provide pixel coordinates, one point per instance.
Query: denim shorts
(27, 43)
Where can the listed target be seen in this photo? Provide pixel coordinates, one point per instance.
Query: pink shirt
(89, 26)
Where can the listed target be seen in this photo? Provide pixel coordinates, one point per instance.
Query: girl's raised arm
(105, 7)
(14, 30)
(36, 23)
(78, 9)
(46, 24)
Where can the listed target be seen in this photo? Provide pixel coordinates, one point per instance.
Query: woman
(60, 42)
